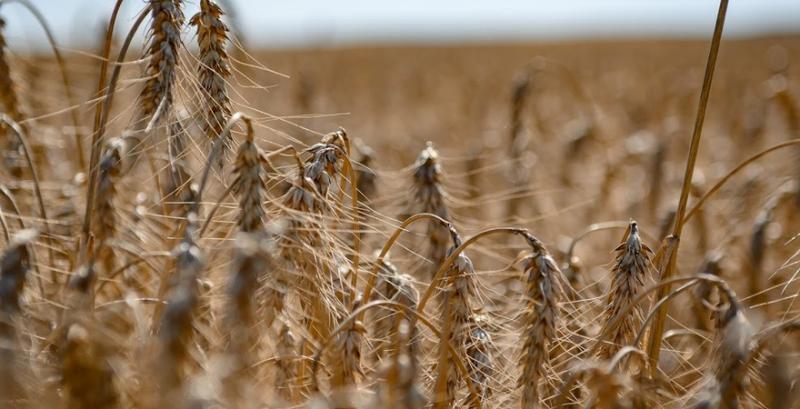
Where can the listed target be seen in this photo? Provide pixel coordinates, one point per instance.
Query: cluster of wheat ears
(161, 256)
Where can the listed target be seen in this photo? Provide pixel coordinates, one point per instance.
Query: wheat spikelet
(456, 313)
(249, 186)
(540, 319)
(629, 272)
(429, 197)
(480, 350)
(212, 38)
(162, 50)
(391, 286)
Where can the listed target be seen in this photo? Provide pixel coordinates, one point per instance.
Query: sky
(314, 23)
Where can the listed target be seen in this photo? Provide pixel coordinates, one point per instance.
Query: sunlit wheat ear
(213, 70)
(703, 291)
(87, 375)
(735, 337)
(540, 320)
(249, 186)
(480, 352)
(628, 274)
(455, 317)
(105, 218)
(14, 267)
(155, 99)
(176, 329)
(285, 366)
(390, 286)
(429, 197)
(12, 158)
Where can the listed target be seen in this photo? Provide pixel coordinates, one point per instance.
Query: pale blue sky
(342, 22)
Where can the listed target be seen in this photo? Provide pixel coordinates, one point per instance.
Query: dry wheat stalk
(212, 38)
(629, 272)
(540, 320)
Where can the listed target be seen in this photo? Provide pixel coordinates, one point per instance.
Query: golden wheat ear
(213, 69)
(629, 272)
(541, 316)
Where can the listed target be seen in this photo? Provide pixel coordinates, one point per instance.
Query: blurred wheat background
(193, 217)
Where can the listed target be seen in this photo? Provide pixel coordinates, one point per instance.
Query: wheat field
(190, 222)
